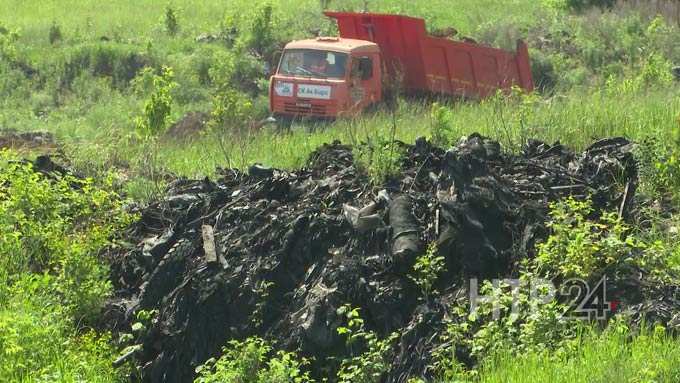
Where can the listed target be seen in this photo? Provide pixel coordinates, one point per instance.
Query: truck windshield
(313, 63)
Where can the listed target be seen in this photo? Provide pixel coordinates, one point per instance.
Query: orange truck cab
(330, 77)
(326, 77)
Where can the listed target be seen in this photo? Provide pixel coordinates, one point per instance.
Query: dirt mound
(190, 125)
(275, 253)
(27, 140)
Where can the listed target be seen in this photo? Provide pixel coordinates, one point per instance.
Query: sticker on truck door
(283, 89)
(322, 92)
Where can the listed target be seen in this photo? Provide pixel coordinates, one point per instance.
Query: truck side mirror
(366, 68)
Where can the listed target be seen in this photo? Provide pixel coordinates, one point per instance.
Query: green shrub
(580, 5)
(656, 71)
(156, 117)
(202, 61)
(171, 20)
(118, 62)
(56, 227)
(380, 157)
(229, 124)
(580, 247)
(52, 282)
(143, 83)
(234, 77)
(543, 71)
(442, 125)
(231, 110)
(261, 38)
(660, 165)
(90, 90)
(230, 28)
(525, 318)
(369, 355)
(55, 34)
(583, 50)
(427, 269)
(586, 247)
(8, 50)
(236, 70)
(253, 361)
(508, 318)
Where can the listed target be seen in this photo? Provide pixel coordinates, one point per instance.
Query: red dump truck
(328, 77)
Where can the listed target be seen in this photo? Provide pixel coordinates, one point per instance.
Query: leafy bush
(56, 227)
(171, 21)
(660, 160)
(231, 111)
(253, 361)
(579, 5)
(505, 317)
(369, 365)
(580, 247)
(261, 38)
(229, 123)
(586, 247)
(660, 168)
(237, 70)
(51, 279)
(55, 34)
(229, 29)
(380, 158)
(8, 50)
(656, 71)
(427, 268)
(118, 62)
(543, 71)
(442, 124)
(157, 109)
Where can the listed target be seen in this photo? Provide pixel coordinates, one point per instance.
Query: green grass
(610, 357)
(576, 120)
(40, 343)
(94, 119)
(141, 19)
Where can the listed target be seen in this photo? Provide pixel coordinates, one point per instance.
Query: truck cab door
(364, 86)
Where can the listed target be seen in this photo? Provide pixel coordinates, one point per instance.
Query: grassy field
(140, 19)
(609, 357)
(91, 110)
(75, 68)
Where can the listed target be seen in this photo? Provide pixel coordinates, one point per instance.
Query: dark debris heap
(275, 253)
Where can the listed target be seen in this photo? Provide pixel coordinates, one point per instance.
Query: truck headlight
(283, 89)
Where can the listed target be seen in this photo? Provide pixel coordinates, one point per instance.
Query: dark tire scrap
(275, 253)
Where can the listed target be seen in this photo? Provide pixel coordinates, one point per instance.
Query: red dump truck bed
(437, 65)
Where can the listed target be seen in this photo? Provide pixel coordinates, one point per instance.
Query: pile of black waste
(275, 253)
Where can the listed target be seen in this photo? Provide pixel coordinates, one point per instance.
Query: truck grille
(310, 109)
